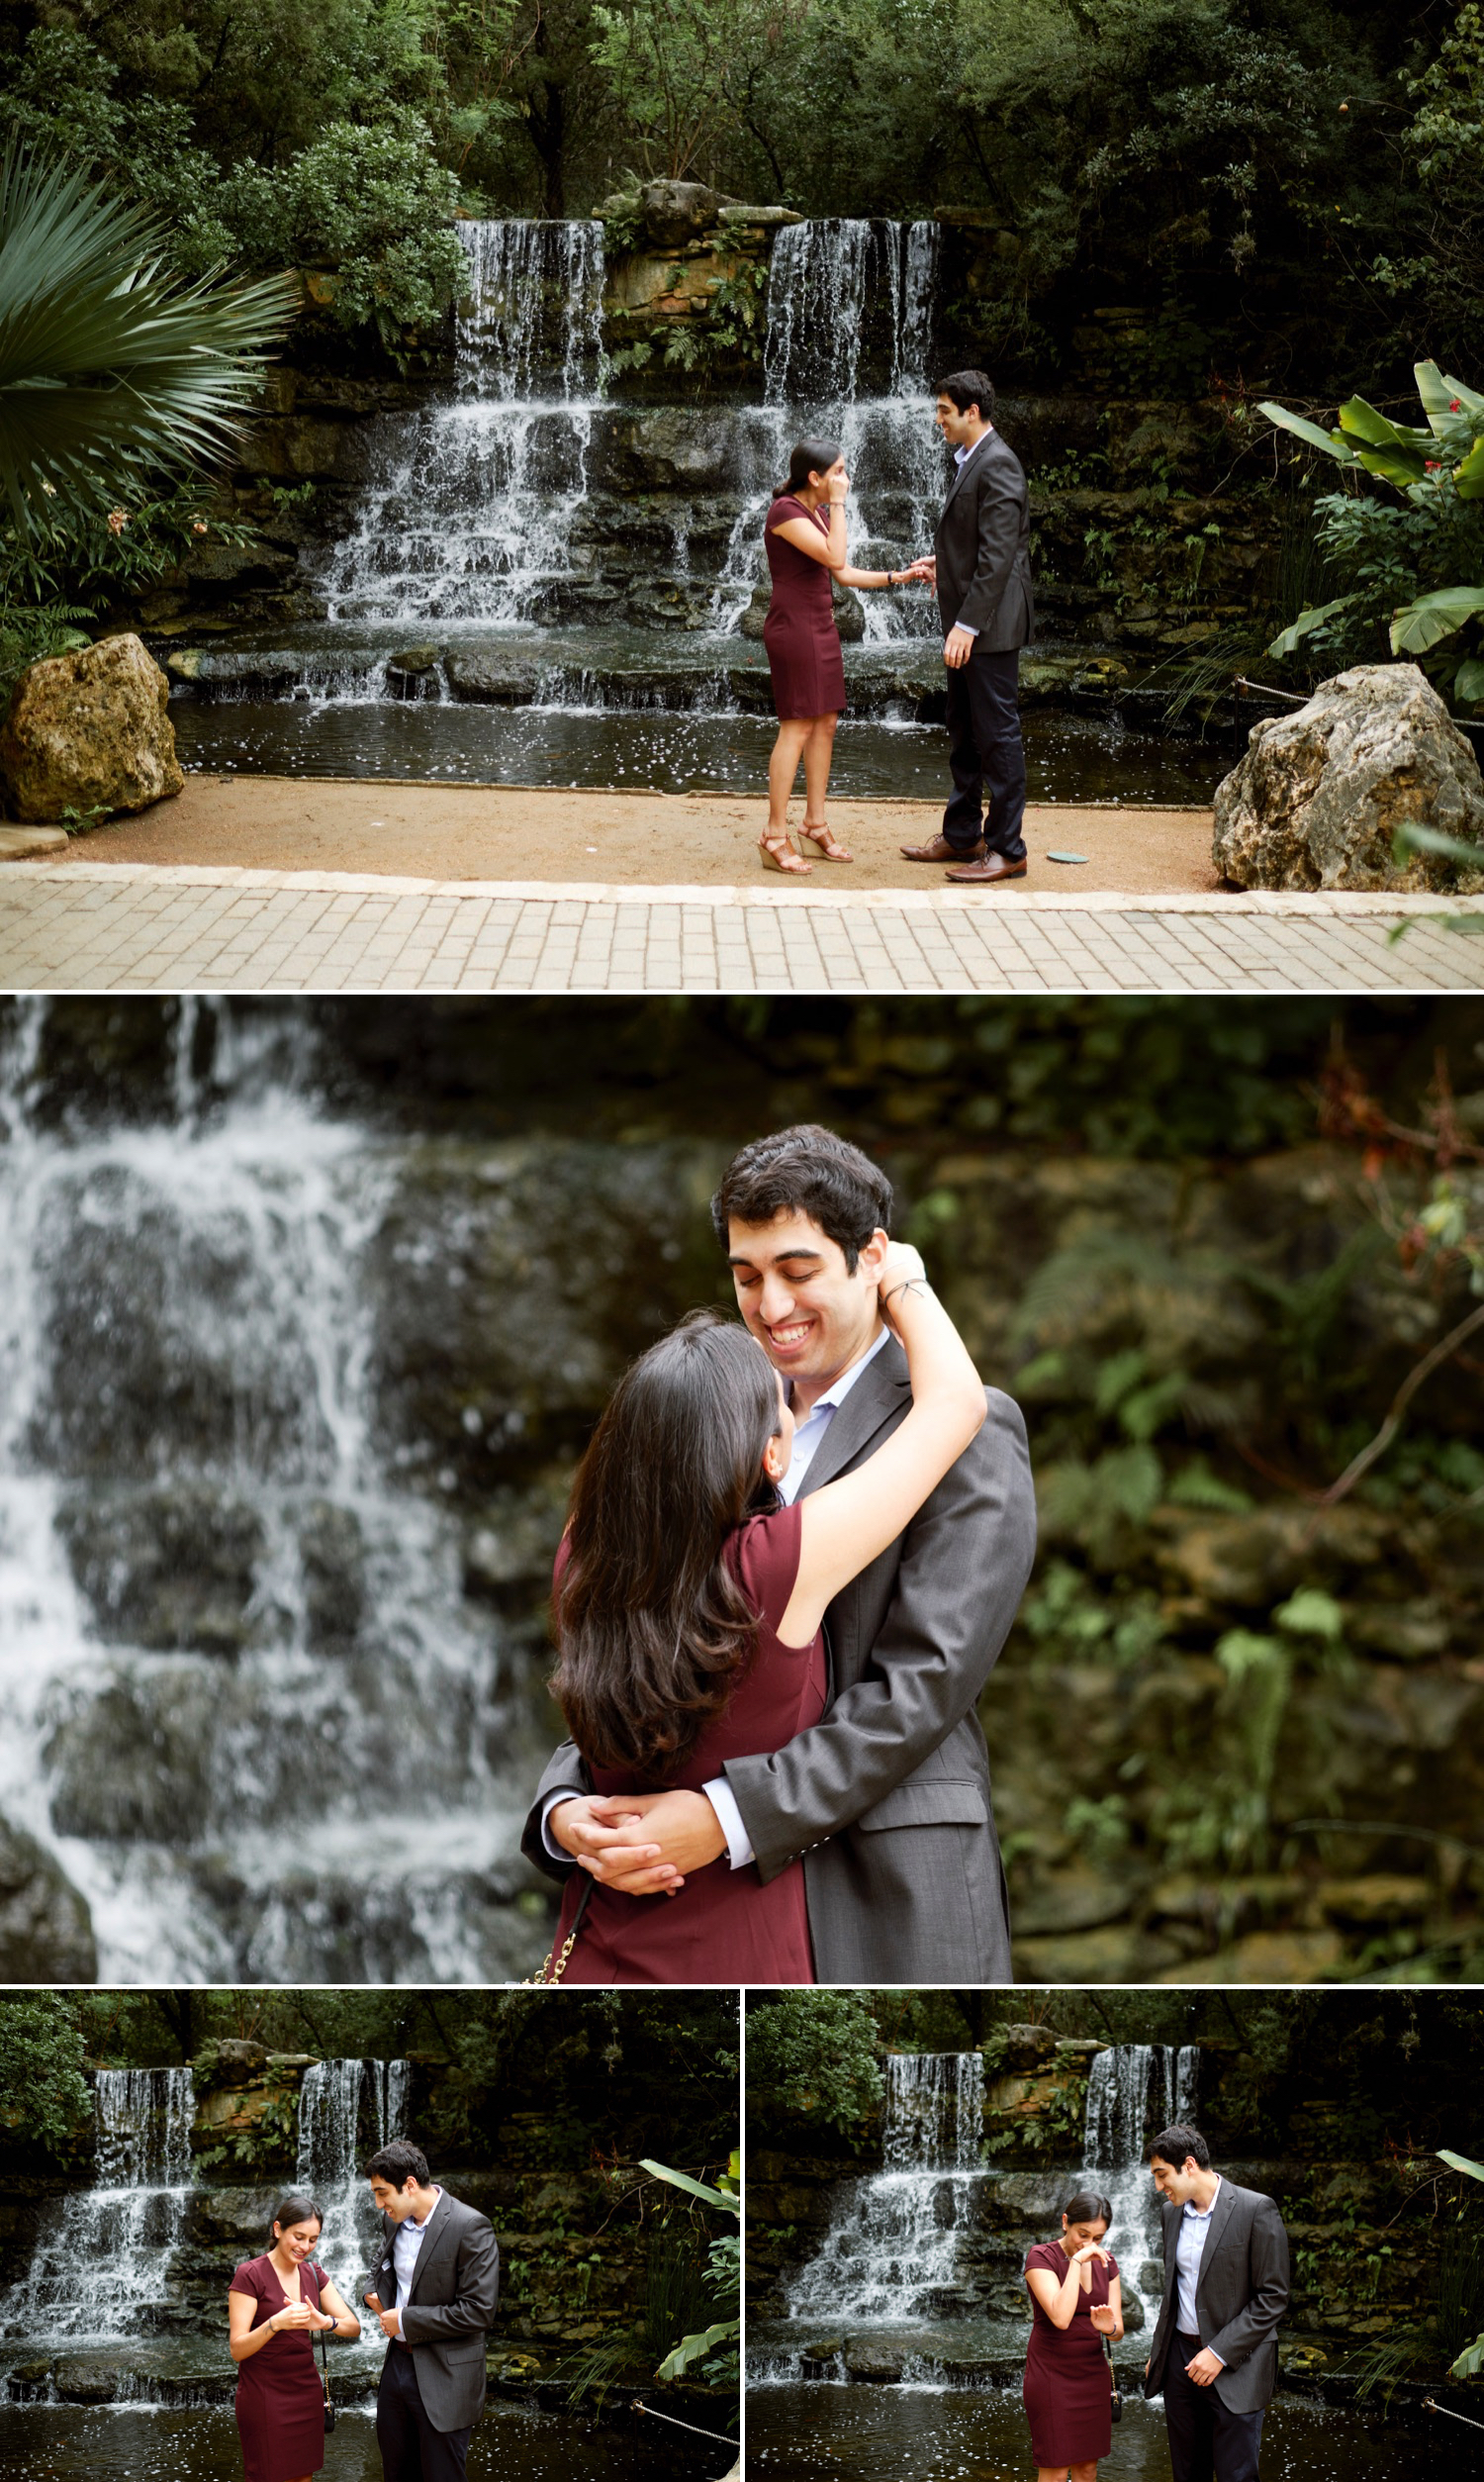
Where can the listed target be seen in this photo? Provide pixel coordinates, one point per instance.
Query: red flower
(1456, 406)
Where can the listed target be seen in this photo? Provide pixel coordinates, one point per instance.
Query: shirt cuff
(729, 1819)
(557, 1852)
(968, 631)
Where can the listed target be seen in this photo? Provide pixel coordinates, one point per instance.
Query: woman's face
(1078, 2234)
(819, 483)
(298, 2241)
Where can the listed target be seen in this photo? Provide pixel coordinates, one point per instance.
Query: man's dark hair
(808, 1170)
(1171, 2146)
(967, 387)
(399, 2163)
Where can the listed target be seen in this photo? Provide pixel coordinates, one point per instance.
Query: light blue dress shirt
(1195, 2223)
(962, 458)
(409, 2239)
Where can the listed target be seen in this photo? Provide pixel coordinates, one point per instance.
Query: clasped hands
(643, 1843)
(299, 2314)
(390, 2320)
(958, 646)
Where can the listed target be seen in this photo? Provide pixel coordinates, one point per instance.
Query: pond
(1069, 758)
(128, 2443)
(802, 2432)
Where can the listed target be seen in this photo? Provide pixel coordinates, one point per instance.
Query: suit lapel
(1226, 2199)
(439, 2238)
(983, 448)
(876, 1395)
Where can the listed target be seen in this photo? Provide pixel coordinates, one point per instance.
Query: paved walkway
(138, 927)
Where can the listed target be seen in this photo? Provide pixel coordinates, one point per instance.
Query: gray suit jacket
(450, 2305)
(1240, 2294)
(984, 548)
(888, 1796)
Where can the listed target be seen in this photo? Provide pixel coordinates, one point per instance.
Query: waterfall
(104, 2269)
(893, 2250)
(469, 514)
(1134, 2090)
(844, 295)
(348, 2108)
(235, 1650)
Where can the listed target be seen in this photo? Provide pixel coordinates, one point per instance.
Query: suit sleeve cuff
(729, 1819)
(557, 1852)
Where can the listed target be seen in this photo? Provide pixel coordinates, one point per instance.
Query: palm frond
(110, 365)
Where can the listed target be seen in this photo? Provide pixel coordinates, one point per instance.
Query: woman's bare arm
(244, 2339)
(844, 1525)
(347, 2325)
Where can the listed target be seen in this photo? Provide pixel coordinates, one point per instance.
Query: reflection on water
(64, 2443)
(858, 2433)
(1070, 759)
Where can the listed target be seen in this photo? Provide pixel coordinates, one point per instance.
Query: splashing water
(104, 2267)
(892, 2250)
(1134, 2090)
(348, 2108)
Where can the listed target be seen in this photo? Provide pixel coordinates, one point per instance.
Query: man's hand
(926, 568)
(641, 1843)
(958, 646)
(1204, 2368)
(391, 2324)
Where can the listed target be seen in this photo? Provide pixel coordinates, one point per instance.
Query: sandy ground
(494, 831)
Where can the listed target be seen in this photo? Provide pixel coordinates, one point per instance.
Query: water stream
(892, 2252)
(103, 2264)
(1134, 2090)
(348, 2108)
(242, 1696)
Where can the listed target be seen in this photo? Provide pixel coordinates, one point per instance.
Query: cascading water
(892, 2250)
(242, 1698)
(348, 2108)
(103, 2268)
(469, 516)
(1134, 2090)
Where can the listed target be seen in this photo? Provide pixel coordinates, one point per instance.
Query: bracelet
(909, 1283)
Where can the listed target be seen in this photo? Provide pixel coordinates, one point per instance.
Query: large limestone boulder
(89, 731)
(1320, 794)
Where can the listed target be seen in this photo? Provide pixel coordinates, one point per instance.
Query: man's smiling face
(810, 1312)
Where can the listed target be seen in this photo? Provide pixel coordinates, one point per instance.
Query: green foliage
(112, 370)
(43, 2096)
(813, 2056)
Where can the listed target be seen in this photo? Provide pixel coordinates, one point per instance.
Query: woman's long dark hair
(652, 1628)
(812, 457)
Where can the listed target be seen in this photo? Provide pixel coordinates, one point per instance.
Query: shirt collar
(963, 455)
(839, 1389)
(1198, 2214)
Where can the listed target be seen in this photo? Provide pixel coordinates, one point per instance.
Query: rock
(89, 731)
(677, 212)
(751, 623)
(46, 1928)
(764, 218)
(133, 1760)
(1264, 1957)
(25, 844)
(86, 2378)
(1118, 1954)
(850, 612)
(1379, 1901)
(490, 677)
(236, 2215)
(417, 659)
(1078, 1899)
(237, 2063)
(172, 1569)
(879, 2362)
(1320, 794)
(1027, 2047)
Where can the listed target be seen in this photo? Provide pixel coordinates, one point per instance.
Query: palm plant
(111, 367)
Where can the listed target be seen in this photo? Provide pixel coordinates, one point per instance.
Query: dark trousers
(1207, 2443)
(412, 2450)
(987, 756)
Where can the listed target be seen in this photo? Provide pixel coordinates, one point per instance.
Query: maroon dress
(1068, 2388)
(725, 1925)
(799, 633)
(280, 2401)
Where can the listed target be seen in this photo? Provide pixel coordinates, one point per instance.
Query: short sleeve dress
(725, 1925)
(1068, 2392)
(802, 642)
(280, 2401)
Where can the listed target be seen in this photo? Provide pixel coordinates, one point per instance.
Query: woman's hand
(323, 2318)
(1104, 2321)
(297, 2313)
(1089, 2250)
(901, 1265)
(837, 485)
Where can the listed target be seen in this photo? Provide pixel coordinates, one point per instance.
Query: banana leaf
(1359, 421)
(1469, 477)
(1469, 682)
(1455, 2163)
(1287, 639)
(1432, 617)
(694, 2188)
(1333, 442)
(693, 2347)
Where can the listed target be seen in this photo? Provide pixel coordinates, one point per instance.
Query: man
(433, 2288)
(888, 1797)
(1225, 2288)
(981, 566)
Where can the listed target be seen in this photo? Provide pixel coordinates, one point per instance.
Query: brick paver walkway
(140, 927)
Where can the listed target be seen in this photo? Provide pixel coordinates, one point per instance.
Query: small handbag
(1116, 2407)
(556, 1965)
(329, 2409)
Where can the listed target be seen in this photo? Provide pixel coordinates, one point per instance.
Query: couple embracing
(795, 1548)
(980, 571)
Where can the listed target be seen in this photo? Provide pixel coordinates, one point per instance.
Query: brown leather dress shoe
(940, 850)
(988, 873)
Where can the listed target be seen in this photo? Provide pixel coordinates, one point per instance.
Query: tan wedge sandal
(829, 850)
(773, 849)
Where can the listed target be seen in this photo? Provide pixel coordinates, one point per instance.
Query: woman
(1076, 2300)
(805, 547)
(275, 2305)
(689, 1607)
